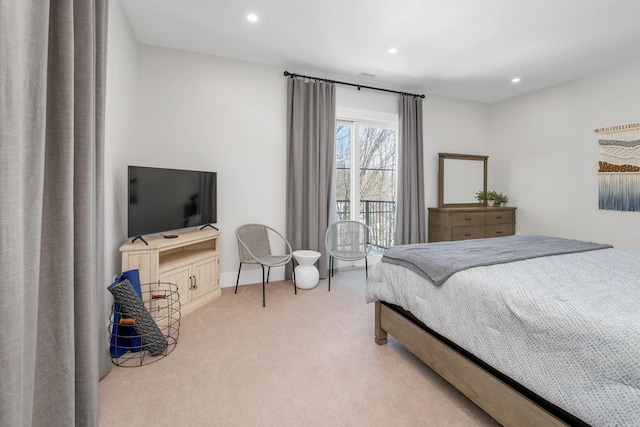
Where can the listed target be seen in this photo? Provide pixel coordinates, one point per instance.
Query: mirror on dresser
(459, 215)
(460, 177)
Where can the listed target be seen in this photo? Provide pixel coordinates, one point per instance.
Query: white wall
(451, 126)
(209, 113)
(544, 155)
(120, 130)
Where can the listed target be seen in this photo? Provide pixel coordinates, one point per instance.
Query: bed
(546, 339)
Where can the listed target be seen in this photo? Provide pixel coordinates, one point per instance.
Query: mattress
(565, 326)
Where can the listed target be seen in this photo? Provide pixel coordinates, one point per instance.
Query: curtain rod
(292, 75)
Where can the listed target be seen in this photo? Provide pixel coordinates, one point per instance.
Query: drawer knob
(467, 219)
(499, 217)
(498, 232)
(467, 235)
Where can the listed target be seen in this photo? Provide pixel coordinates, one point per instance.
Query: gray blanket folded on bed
(439, 261)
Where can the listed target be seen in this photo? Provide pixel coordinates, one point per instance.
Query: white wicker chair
(255, 247)
(347, 241)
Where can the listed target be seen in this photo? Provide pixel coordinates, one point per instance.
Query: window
(366, 177)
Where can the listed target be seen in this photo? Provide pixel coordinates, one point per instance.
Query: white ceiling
(469, 49)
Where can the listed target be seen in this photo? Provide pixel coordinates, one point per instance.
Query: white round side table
(307, 275)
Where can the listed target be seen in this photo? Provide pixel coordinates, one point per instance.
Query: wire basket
(128, 347)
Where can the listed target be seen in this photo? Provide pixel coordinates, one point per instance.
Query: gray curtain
(53, 325)
(411, 222)
(311, 112)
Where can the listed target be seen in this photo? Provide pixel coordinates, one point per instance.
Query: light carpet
(305, 360)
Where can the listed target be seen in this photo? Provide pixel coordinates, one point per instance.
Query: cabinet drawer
(499, 230)
(499, 217)
(467, 218)
(463, 233)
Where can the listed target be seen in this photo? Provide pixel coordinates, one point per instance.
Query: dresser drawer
(499, 217)
(464, 233)
(462, 223)
(459, 219)
(499, 230)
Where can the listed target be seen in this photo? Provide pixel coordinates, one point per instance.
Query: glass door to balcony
(366, 178)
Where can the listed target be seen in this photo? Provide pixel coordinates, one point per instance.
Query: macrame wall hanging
(619, 171)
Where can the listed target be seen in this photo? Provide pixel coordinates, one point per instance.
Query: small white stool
(307, 275)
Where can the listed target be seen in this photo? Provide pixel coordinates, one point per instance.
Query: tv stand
(190, 261)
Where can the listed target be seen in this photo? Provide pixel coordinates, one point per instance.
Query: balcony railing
(379, 215)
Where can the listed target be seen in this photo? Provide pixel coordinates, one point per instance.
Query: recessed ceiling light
(393, 50)
(515, 80)
(252, 17)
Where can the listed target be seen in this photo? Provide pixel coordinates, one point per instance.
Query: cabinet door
(180, 277)
(204, 276)
(215, 273)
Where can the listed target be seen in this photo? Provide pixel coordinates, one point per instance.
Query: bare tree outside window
(377, 178)
(343, 176)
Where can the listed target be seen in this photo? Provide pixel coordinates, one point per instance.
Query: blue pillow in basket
(132, 306)
(123, 337)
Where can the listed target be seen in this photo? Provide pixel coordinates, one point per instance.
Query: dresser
(471, 223)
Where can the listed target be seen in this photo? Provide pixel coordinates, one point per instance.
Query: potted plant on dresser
(492, 198)
(496, 199)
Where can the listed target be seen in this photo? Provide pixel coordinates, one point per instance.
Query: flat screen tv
(163, 200)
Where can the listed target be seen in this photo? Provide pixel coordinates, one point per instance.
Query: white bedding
(566, 327)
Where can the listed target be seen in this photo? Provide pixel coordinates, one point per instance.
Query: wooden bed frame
(504, 403)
